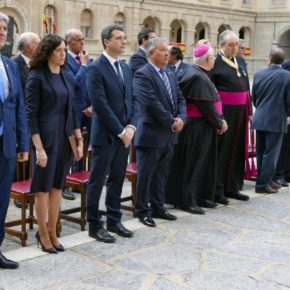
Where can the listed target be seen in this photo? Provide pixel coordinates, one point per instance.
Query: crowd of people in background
(189, 124)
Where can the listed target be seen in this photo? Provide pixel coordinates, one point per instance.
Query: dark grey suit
(271, 97)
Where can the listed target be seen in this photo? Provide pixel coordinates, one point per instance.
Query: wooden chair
(20, 191)
(78, 182)
(131, 176)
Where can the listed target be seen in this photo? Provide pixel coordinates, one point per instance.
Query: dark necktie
(78, 59)
(117, 66)
(167, 85)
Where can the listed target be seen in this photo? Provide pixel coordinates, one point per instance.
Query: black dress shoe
(222, 200)
(102, 235)
(195, 210)
(268, 190)
(68, 194)
(7, 264)
(165, 215)
(237, 195)
(147, 221)
(206, 203)
(282, 182)
(120, 230)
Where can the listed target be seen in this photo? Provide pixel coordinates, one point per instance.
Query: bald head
(27, 43)
(75, 40)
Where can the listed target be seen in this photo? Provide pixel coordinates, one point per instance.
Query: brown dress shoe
(276, 185)
(268, 190)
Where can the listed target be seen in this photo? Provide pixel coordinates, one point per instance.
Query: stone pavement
(245, 245)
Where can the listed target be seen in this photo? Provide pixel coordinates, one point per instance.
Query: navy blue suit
(137, 60)
(113, 109)
(15, 136)
(154, 139)
(271, 97)
(81, 98)
(182, 68)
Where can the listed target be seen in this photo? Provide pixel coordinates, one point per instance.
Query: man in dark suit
(77, 65)
(26, 45)
(282, 173)
(271, 97)
(109, 84)
(176, 62)
(14, 140)
(160, 118)
(139, 58)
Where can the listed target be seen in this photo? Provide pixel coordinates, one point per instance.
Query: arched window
(176, 31)
(153, 23)
(49, 20)
(120, 20)
(244, 33)
(86, 23)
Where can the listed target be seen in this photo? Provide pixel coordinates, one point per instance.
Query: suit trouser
(268, 145)
(284, 158)
(153, 168)
(108, 160)
(7, 168)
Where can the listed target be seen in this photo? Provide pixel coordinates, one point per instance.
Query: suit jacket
(286, 64)
(12, 111)
(156, 113)
(271, 97)
(181, 70)
(137, 60)
(42, 107)
(113, 104)
(23, 69)
(78, 72)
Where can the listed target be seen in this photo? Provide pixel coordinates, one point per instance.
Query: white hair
(202, 59)
(225, 35)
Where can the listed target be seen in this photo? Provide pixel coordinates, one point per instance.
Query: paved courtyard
(245, 245)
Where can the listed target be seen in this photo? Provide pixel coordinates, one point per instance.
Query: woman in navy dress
(51, 119)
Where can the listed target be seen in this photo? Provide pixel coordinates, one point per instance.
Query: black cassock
(233, 83)
(193, 169)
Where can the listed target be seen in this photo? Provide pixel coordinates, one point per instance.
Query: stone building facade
(261, 23)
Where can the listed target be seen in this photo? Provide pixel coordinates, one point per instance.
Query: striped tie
(167, 85)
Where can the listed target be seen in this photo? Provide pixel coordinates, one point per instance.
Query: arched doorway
(176, 31)
(15, 28)
(221, 29)
(153, 23)
(201, 31)
(284, 42)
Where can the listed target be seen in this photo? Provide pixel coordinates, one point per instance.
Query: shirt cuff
(131, 126)
(121, 134)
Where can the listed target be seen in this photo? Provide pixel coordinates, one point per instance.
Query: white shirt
(112, 62)
(5, 78)
(26, 59)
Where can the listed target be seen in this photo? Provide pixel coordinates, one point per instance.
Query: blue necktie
(167, 85)
(2, 99)
(117, 66)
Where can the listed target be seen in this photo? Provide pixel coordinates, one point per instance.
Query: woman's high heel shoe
(51, 250)
(59, 247)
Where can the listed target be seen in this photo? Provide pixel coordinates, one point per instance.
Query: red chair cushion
(132, 168)
(21, 186)
(81, 177)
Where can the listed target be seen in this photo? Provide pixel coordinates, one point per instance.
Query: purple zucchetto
(201, 50)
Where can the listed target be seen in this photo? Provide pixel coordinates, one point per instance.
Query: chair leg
(31, 216)
(83, 207)
(23, 223)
